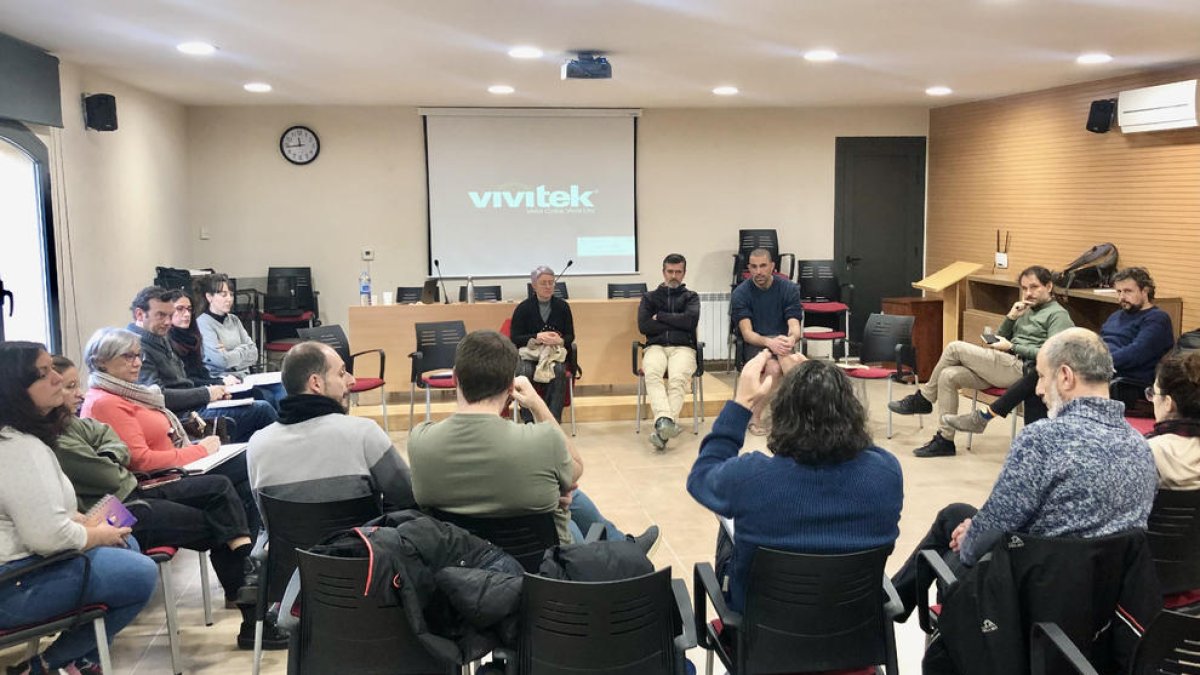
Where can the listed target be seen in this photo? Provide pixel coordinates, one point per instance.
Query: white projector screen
(513, 189)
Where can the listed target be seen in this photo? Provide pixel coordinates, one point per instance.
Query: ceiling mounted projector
(589, 66)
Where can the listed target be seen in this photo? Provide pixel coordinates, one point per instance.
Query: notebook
(109, 510)
(206, 464)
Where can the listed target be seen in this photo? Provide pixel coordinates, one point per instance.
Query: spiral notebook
(109, 510)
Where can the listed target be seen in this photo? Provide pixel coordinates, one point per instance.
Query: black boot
(274, 638)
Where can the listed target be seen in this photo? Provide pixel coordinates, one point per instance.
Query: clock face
(299, 145)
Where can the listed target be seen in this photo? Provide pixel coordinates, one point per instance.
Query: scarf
(147, 397)
(300, 407)
(186, 344)
(1189, 428)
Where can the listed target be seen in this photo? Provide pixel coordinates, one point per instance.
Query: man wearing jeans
(1032, 320)
(668, 316)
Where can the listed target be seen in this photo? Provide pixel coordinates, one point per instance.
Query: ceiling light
(820, 55)
(525, 52)
(939, 91)
(500, 89)
(725, 91)
(1092, 58)
(257, 87)
(196, 48)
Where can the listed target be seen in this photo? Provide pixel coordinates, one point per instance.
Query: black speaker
(100, 112)
(1100, 117)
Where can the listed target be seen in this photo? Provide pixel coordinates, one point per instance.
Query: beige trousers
(967, 366)
(666, 394)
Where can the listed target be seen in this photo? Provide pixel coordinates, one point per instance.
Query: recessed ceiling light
(820, 55)
(725, 90)
(525, 52)
(1092, 58)
(257, 87)
(939, 91)
(500, 89)
(196, 48)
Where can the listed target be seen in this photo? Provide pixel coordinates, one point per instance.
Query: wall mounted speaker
(100, 112)
(1100, 117)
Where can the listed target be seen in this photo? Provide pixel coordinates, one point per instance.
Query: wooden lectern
(948, 281)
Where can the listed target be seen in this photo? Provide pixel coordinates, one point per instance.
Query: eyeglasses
(1150, 393)
(130, 357)
(184, 308)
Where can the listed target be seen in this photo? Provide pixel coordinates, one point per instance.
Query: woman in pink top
(155, 437)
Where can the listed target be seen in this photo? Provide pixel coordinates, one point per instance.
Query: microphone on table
(445, 294)
(564, 271)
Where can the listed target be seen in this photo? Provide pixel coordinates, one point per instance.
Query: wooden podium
(948, 281)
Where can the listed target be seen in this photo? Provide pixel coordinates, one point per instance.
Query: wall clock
(299, 145)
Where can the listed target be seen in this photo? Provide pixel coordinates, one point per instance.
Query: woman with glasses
(38, 518)
(187, 343)
(1175, 440)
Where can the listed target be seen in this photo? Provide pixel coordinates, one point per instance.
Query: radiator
(713, 330)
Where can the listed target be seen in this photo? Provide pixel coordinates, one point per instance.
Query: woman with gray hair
(544, 330)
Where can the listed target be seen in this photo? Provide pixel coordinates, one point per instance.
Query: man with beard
(1138, 335)
(1082, 473)
(668, 316)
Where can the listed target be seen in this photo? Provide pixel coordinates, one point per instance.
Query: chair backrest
(814, 612)
(482, 293)
(1169, 646)
(332, 335)
(748, 240)
(407, 295)
(344, 631)
(1173, 533)
(617, 627)
(295, 525)
(560, 290)
(626, 290)
(818, 281)
(437, 341)
(525, 538)
(289, 288)
(881, 335)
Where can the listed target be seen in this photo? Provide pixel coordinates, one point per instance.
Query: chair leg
(889, 398)
(412, 403)
(708, 662)
(258, 650)
(696, 406)
(974, 407)
(102, 645)
(205, 591)
(428, 402)
(164, 576)
(383, 406)
(571, 389)
(641, 389)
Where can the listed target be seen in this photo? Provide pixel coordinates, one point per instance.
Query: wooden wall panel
(1026, 165)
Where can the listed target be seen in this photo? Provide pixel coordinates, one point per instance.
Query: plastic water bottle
(470, 291)
(364, 289)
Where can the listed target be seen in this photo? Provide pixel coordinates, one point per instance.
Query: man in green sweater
(1000, 362)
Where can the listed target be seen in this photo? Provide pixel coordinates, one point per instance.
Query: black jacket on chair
(678, 312)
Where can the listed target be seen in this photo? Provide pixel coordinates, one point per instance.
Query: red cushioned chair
(887, 343)
(821, 298)
(433, 361)
(162, 556)
(335, 337)
(995, 393)
(571, 371)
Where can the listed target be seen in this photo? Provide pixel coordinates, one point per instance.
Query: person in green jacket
(999, 362)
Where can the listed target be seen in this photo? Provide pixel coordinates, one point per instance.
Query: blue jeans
(123, 579)
(247, 418)
(584, 514)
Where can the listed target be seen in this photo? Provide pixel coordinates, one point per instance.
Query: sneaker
(658, 442)
(648, 541)
(274, 637)
(913, 404)
(939, 446)
(666, 427)
(973, 422)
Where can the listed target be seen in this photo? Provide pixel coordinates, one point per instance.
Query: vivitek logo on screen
(539, 198)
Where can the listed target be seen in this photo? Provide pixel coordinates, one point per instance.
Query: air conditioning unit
(1167, 106)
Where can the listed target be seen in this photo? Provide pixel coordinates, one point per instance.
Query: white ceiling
(665, 53)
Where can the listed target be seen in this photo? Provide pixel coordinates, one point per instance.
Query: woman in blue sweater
(825, 487)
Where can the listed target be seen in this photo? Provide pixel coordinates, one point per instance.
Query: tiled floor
(634, 486)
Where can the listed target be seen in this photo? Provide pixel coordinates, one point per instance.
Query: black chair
(299, 525)
(887, 352)
(433, 361)
(482, 294)
(1173, 533)
(639, 626)
(1168, 647)
(697, 385)
(31, 633)
(344, 630)
(525, 538)
(290, 303)
(803, 613)
(407, 295)
(335, 337)
(560, 290)
(626, 290)
(748, 240)
(821, 298)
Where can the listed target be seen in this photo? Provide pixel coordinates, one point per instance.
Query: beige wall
(702, 174)
(119, 201)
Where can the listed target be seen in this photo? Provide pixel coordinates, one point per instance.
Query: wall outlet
(205, 235)
(368, 254)
(1001, 260)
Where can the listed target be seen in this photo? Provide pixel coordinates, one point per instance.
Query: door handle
(851, 260)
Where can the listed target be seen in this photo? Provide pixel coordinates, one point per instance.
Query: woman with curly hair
(824, 489)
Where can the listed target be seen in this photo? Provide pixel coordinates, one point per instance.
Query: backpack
(1093, 269)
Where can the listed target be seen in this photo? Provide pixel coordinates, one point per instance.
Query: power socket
(368, 254)
(1001, 260)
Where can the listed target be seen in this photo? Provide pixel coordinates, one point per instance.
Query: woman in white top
(1175, 440)
(38, 518)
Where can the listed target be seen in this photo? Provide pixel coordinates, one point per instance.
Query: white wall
(702, 174)
(119, 201)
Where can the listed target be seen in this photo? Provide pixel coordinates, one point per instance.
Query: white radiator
(713, 330)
